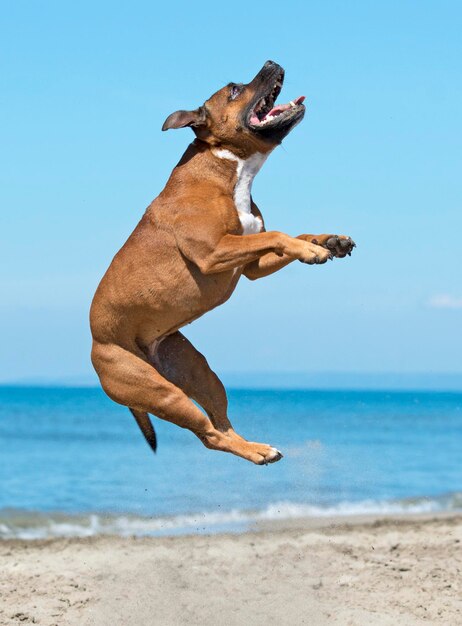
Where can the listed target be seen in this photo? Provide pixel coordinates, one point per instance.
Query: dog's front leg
(338, 245)
(214, 252)
(265, 265)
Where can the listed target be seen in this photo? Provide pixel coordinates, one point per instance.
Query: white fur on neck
(246, 170)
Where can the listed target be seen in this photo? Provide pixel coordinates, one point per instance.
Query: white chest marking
(246, 170)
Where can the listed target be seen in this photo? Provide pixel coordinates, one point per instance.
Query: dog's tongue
(279, 108)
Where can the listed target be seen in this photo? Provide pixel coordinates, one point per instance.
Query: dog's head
(244, 118)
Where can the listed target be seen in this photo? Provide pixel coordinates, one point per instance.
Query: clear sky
(84, 90)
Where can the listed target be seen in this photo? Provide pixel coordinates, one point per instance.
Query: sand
(387, 572)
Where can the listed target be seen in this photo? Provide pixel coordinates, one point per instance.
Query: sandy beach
(350, 572)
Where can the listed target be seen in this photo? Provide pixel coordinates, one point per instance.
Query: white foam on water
(28, 525)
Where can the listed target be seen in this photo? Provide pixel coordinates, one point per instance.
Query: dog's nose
(269, 63)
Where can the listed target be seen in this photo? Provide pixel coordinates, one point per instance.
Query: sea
(73, 463)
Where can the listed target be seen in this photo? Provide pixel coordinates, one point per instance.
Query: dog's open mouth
(265, 114)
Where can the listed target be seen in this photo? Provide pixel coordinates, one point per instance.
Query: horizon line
(296, 380)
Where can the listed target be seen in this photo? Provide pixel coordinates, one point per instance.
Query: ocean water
(74, 463)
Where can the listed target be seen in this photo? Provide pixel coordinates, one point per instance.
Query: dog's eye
(235, 91)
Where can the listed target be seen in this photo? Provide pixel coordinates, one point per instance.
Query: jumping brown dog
(186, 256)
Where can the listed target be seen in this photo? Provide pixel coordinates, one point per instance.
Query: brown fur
(184, 258)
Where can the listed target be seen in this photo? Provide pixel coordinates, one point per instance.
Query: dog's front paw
(339, 245)
(313, 254)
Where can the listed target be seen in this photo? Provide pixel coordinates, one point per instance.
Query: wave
(15, 524)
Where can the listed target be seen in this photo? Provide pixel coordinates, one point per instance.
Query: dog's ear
(181, 119)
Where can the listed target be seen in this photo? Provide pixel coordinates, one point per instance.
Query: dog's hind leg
(179, 362)
(129, 379)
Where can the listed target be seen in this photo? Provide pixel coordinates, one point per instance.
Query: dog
(186, 256)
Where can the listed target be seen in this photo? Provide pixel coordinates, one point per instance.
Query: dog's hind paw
(273, 457)
(258, 453)
(262, 454)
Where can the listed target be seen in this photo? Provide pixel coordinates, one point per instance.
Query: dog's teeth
(260, 105)
(292, 103)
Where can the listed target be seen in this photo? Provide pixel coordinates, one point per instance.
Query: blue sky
(84, 90)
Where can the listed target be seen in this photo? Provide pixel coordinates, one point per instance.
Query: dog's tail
(144, 422)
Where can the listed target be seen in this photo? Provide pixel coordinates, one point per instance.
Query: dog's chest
(246, 170)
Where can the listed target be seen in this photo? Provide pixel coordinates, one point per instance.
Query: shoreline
(353, 520)
(363, 571)
(34, 525)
